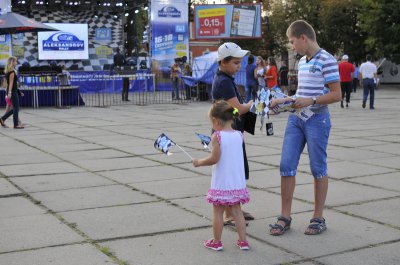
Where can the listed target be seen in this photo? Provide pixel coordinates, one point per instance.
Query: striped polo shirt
(314, 75)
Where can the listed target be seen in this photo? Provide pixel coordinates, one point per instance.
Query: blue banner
(170, 36)
(98, 81)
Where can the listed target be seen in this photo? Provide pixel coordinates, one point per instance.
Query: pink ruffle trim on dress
(228, 197)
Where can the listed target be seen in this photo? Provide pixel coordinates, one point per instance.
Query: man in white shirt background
(367, 74)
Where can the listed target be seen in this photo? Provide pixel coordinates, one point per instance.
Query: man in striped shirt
(318, 86)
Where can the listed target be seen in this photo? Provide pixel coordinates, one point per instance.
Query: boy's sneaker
(243, 245)
(211, 244)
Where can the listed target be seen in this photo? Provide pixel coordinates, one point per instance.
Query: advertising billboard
(5, 49)
(170, 31)
(70, 43)
(241, 21)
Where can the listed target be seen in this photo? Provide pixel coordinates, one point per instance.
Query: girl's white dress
(228, 183)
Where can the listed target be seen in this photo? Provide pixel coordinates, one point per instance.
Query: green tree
(339, 31)
(380, 22)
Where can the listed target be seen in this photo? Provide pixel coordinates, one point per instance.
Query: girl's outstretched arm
(213, 158)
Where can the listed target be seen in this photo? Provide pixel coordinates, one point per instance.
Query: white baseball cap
(230, 49)
(345, 57)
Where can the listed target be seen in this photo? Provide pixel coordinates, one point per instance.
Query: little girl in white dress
(228, 184)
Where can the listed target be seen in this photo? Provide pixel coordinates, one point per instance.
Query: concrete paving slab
(39, 169)
(390, 162)
(28, 158)
(385, 211)
(177, 156)
(344, 233)
(92, 154)
(257, 151)
(133, 220)
(379, 255)
(132, 129)
(271, 178)
(115, 163)
(389, 181)
(60, 181)
(147, 174)
(78, 254)
(384, 148)
(262, 205)
(349, 142)
(71, 147)
(276, 159)
(18, 206)
(176, 188)
(84, 198)
(198, 170)
(163, 249)
(34, 231)
(392, 139)
(341, 193)
(6, 188)
(341, 169)
(354, 154)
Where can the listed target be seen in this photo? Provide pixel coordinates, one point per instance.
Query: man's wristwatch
(314, 100)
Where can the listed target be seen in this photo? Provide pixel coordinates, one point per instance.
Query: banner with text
(228, 21)
(5, 49)
(170, 34)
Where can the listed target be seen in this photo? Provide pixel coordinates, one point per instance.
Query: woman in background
(12, 92)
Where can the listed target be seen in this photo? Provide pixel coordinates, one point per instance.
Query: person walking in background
(355, 77)
(250, 89)
(224, 88)
(228, 184)
(283, 76)
(367, 74)
(272, 74)
(317, 69)
(346, 72)
(12, 92)
(175, 70)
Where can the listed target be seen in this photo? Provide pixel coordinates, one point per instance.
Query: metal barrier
(96, 89)
(104, 90)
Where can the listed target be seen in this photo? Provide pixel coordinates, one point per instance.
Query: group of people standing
(180, 68)
(264, 75)
(317, 69)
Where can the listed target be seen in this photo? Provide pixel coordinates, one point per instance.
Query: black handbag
(246, 122)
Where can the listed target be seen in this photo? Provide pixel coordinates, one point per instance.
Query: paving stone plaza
(85, 186)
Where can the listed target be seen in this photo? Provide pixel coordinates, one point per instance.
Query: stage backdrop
(170, 36)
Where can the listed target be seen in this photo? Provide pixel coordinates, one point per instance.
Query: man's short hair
(250, 59)
(301, 27)
(369, 57)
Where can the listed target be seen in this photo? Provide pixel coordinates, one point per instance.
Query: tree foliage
(380, 22)
(354, 27)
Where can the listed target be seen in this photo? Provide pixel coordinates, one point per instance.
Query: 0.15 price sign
(212, 22)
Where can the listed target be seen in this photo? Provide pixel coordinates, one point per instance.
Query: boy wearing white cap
(229, 58)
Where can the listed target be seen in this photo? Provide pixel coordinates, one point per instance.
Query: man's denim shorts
(314, 132)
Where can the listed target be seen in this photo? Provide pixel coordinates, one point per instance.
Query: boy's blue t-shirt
(223, 87)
